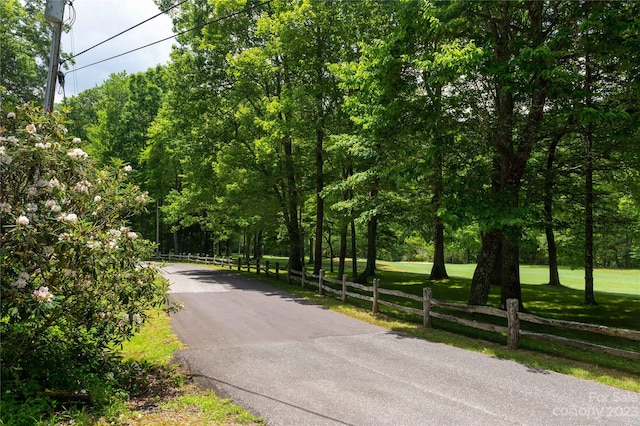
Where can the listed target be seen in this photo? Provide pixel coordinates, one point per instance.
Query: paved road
(295, 363)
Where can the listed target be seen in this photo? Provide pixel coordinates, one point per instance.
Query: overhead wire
(124, 31)
(222, 18)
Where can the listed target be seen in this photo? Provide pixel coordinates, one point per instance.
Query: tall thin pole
(54, 13)
(54, 61)
(157, 227)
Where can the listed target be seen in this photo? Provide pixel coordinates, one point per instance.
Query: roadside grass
(615, 309)
(161, 393)
(183, 403)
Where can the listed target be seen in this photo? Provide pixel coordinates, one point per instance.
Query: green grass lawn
(617, 281)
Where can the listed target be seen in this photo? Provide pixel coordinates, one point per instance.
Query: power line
(231, 15)
(124, 31)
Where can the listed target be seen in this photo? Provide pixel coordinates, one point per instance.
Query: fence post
(513, 323)
(249, 265)
(258, 266)
(303, 276)
(344, 288)
(277, 271)
(320, 278)
(230, 262)
(426, 307)
(239, 263)
(189, 257)
(266, 267)
(214, 260)
(374, 307)
(206, 259)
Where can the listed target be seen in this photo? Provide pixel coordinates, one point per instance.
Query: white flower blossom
(6, 159)
(132, 235)
(22, 221)
(77, 153)
(32, 191)
(54, 183)
(112, 245)
(114, 232)
(42, 295)
(97, 199)
(21, 281)
(136, 318)
(50, 203)
(31, 128)
(128, 168)
(92, 244)
(83, 186)
(71, 217)
(11, 115)
(5, 207)
(76, 140)
(14, 140)
(69, 273)
(44, 146)
(31, 207)
(64, 236)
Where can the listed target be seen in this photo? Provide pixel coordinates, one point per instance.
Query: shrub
(73, 278)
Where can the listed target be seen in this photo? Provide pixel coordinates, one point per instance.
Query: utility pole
(53, 12)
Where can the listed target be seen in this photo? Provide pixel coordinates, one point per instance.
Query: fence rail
(512, 329)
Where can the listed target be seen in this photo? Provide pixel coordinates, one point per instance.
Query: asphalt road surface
(295, 363)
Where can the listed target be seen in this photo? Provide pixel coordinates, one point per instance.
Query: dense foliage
(489, 132)
(74, 279)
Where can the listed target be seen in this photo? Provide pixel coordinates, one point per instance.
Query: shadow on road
(234, 281)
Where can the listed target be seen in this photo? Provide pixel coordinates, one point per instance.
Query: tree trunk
(317, 265)
(330, 245)
(342, 254)
(438, 270)
(370, 268)
(311, 248)
(589, 296)
(484, 272)
(257, 245)
(176, 248)
(510, 288)
(554, 276)
(354, 252)
(247, 245)
(291, 214)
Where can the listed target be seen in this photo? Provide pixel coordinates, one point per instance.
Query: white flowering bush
(73, 278)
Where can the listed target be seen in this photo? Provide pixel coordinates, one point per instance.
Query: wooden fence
(513, 317)
(226, 262)
(346, 289)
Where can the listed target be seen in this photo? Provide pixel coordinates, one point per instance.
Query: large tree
(24, 50)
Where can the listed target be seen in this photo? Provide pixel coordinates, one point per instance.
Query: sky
(97, 20)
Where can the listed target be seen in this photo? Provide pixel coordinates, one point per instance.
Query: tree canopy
(488, 132)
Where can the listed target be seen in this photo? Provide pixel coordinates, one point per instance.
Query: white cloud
(97, 20)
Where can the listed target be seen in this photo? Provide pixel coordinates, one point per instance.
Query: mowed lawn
(614, 281)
